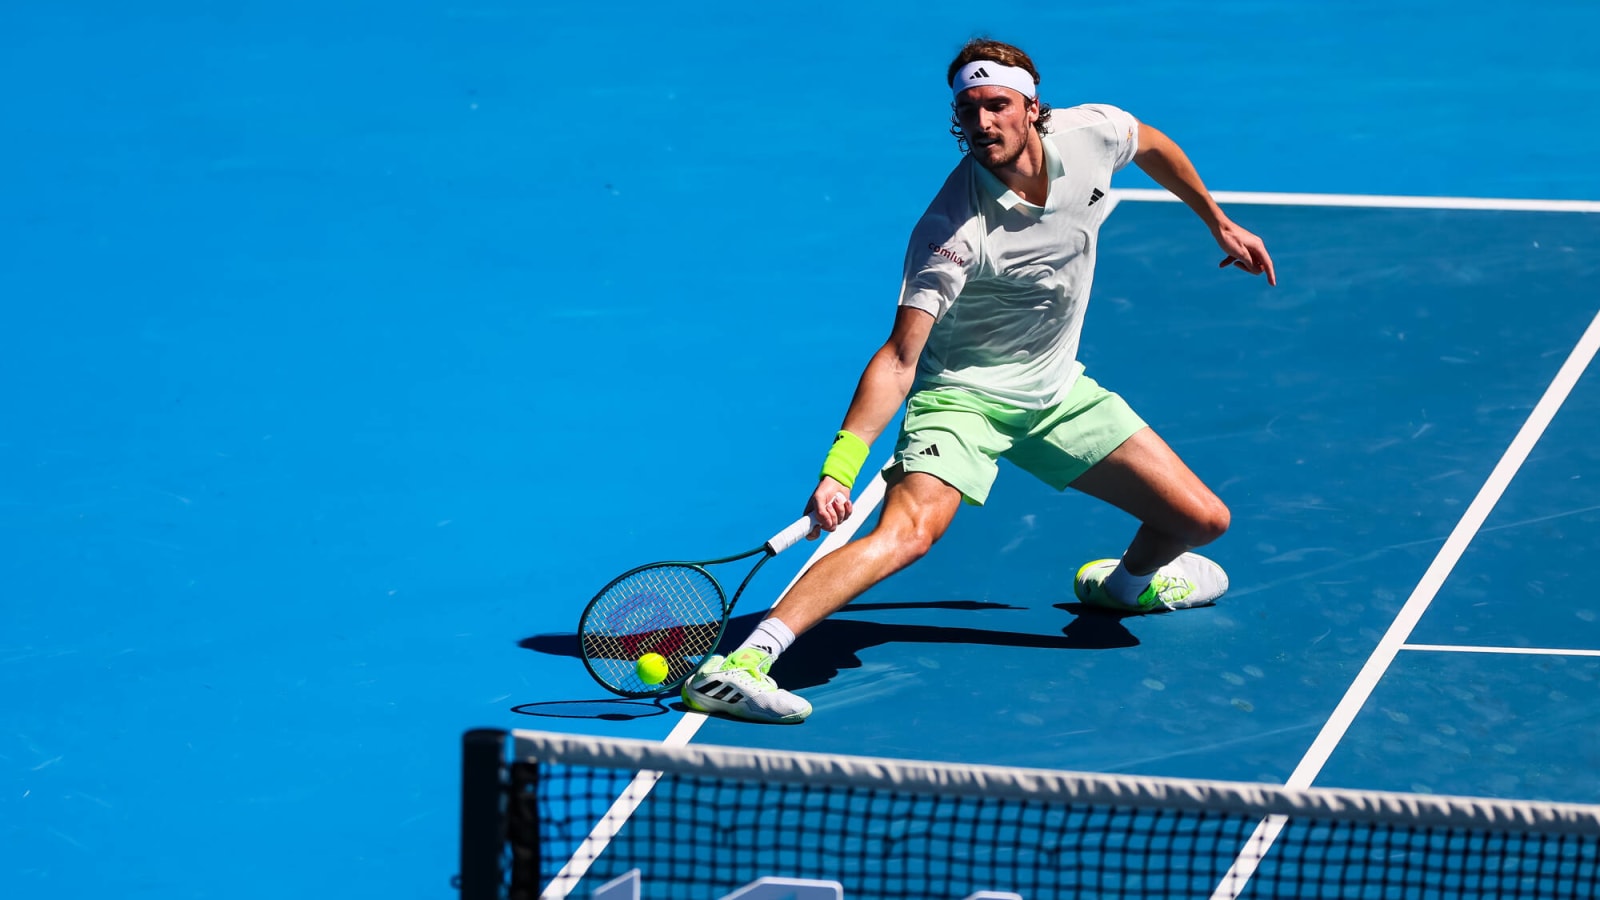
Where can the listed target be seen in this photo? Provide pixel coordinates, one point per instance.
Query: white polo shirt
(1008, 281)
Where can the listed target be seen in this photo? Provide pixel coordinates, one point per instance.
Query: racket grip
(792, 535)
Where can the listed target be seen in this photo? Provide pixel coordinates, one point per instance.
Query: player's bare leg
(1177, 512)
(917, 509)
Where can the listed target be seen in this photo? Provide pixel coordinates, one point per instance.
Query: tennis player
(985, 343)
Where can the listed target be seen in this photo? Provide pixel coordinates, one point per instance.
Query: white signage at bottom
(627, 887)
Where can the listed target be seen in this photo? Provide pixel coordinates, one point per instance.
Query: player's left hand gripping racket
(676, 609)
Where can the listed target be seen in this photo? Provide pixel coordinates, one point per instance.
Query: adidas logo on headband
(980, 72)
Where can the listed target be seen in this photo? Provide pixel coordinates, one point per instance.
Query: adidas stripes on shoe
(739, 686)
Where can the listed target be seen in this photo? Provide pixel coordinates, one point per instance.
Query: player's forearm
(1165, 162)
(883, 387)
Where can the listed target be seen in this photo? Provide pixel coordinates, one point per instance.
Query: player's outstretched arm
(883, 387)
(1163, 160)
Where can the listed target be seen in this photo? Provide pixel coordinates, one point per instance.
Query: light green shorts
(959, 437)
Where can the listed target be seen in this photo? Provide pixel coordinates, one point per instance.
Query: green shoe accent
(1165, 593)
(1090, 584)
(752, 659)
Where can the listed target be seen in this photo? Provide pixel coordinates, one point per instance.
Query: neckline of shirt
(1010, 199)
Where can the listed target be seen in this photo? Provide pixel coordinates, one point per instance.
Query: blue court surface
(349, 349)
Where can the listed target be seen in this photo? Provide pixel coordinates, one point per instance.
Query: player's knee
(1210, 523)
(909, 543)
(914, 546)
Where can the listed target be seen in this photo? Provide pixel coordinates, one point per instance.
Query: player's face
(998, 123)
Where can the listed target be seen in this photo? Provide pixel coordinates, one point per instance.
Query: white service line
(639, 788)
(1514, 651)
(1371, 200)
(1395, 638)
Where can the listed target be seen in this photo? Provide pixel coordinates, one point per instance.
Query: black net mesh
(700, 823)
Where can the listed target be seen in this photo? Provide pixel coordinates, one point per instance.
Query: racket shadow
(836, 643)
(609, 709)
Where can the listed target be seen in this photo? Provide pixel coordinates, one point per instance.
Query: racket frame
(774, 545)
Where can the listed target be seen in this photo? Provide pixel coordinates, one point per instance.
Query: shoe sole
(717, 707)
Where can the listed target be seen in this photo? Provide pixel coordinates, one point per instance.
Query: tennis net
(547, 815)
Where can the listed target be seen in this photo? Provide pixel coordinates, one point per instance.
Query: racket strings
(675, 610)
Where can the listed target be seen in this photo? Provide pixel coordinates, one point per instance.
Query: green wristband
(845, 459)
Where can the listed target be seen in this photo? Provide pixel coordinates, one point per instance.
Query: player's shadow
(837, 642)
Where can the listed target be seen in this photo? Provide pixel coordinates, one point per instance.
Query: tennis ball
(652, 668)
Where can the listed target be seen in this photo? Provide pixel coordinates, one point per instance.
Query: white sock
(771, 636)
(1125, 587)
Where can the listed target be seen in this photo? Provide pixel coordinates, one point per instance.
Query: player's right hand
(830, 505)
(1245, 251)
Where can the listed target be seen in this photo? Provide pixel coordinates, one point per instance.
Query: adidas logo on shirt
(1095, 197)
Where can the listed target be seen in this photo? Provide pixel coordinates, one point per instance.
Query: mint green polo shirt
(1007, 281)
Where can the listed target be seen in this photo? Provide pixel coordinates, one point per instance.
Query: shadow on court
(837, 642)
(606, 709)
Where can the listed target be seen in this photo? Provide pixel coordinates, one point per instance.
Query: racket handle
(792, 535)
(797, 532)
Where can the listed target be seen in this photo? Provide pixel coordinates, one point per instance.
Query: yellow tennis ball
(652, 668)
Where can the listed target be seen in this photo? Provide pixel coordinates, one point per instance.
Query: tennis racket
(676, 609)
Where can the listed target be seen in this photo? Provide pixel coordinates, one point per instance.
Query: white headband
(980, 72)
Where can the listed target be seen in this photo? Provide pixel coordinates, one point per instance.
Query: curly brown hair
(1006, 55)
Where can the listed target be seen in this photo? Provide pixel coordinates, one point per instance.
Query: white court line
(1371, 200)
(1455, 545)
(639, 788)
(1513, 651)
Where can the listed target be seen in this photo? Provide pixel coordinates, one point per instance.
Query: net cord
(1046, 785)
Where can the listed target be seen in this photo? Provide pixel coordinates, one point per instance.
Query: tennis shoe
(739, 686)
(1190, 580)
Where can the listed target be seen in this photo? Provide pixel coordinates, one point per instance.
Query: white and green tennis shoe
(1189, 580)
(740, 686)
